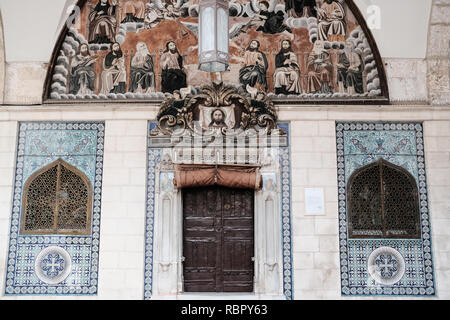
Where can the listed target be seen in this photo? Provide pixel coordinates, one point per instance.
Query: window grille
(383, 202)
(57, 200)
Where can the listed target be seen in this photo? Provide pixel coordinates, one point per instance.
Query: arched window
(383, 202)
(57, 200)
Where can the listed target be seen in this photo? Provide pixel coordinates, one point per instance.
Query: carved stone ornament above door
(217, 110)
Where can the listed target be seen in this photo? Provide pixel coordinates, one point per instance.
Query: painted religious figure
(350, 70)
(252, 75)
(287, 79)
(173, 76)
(319, 66)
(132, 11)
(142, 75)
(277, 47)
(102, 22)
(331, 21)
(82, 75)
(300, 8)
(272, 22)
(217, 118)
(157, 11)
(114, 75)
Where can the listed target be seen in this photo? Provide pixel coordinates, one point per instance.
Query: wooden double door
(218, 239)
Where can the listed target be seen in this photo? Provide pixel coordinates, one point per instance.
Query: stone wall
(437, 152)
(2, 60)
(423, 86)
(316, 244)
(407, 80)
(123, 210)
(315, 247)
(438, 55)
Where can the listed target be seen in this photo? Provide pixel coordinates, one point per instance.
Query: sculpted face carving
(218, 116)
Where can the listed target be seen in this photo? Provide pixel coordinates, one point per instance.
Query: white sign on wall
(314, 201)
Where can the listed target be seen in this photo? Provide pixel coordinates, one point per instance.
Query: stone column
(168, 230)
(439, 53)
(268, 231)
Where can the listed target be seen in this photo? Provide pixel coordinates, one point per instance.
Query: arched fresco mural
(296, 50)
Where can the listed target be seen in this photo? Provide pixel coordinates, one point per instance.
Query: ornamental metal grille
(383, 202)
(57, 200)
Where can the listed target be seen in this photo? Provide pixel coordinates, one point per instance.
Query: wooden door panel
(218, 239)
(238, 246)
(199, 273)
(233, 253)
(237, 267)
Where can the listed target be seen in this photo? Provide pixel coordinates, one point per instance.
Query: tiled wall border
(84, 249)
(425, 242)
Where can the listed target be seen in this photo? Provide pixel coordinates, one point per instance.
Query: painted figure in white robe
(286, 77)
(114, 75)
(331, 16)
(142, 75)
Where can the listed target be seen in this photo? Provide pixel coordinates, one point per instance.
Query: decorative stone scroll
(218, 109)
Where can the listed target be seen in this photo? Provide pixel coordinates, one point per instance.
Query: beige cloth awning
(231, 176)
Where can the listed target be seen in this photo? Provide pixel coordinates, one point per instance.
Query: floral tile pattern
(153, 158)
(359, 144)
(40, 143)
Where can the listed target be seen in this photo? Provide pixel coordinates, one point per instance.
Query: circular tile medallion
(386, 265)
(53, 265)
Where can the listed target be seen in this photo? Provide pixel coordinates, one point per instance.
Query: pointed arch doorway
(218, 239)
